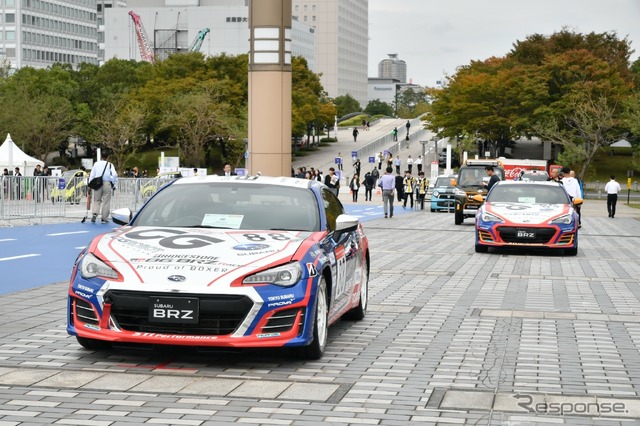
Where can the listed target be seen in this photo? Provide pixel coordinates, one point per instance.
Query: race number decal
(341, 272)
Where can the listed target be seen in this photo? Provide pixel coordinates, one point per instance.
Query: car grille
(84, 312)
(509, 234)
(283, 321)
(219, 314)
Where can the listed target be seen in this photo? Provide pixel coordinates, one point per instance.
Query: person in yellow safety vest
(423, 185)
(409, 183)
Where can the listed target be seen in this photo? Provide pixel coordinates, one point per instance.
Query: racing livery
(528, 214)
(184, 272)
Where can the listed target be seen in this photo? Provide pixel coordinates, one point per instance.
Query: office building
(393, 67)
(39, 33)
(342, 43)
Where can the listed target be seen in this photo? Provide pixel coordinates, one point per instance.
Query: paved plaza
(451, 337)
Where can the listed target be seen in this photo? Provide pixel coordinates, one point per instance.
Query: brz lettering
(174, 239)
(173, 313)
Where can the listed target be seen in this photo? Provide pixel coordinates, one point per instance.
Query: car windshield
(528, 194)
(443, 181)
(475, 176)
(68, 175)
(232, 205)
(538, 176)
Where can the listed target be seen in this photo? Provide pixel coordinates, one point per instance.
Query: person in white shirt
(418, 163)
(572, 186)
(101, 197)
(612, 188)
(410, 164)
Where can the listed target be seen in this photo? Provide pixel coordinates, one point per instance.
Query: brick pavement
(451, 337)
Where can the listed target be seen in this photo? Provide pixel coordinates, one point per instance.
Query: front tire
(459, 217)
(316, 348)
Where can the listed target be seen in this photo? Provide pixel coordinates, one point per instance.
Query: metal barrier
(30, 197)
(37, 197)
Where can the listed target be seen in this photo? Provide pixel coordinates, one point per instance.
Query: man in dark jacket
(400, 187)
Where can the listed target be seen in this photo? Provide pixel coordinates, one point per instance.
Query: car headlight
(436, 193)
(91, 266)
(284, 276)
(565, 219)
(489, 217)
(460, 192)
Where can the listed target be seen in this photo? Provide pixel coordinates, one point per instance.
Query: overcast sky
(435, 37)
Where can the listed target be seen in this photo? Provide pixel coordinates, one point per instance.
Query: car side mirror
(122, 216)
(345, 223)
(577, 201)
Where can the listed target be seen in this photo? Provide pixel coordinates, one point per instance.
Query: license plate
(522, 233)
(182, 310)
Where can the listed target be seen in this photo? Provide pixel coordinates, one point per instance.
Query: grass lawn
(604, 164)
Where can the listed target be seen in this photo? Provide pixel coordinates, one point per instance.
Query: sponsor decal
(265, 335)
(92, 327)
(84, 288)
(173, 238)
(174, 336)
(278, 304)
(311, 268)
(83, 295)
(144, 248)
(176, 278)
(280, 300)
(250, 247)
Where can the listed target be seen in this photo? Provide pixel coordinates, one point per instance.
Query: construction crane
(146, 52)
(197, 43)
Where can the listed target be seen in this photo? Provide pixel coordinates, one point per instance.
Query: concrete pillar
(270, 87)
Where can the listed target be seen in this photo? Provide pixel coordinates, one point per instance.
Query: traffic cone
(378, 192)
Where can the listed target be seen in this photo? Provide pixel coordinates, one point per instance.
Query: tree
(377, 107)
(592, 124)
(118, 123)
(38, 109)
(198, 117)
(536, 87)
(346, 104)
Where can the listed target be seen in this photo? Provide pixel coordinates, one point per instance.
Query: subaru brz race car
(224, 261)
(528, 214)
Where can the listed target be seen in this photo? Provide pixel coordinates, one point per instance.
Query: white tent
(622, 143)
(11, 157)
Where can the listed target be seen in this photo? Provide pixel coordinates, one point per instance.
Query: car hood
(527, 213)
(191, 259)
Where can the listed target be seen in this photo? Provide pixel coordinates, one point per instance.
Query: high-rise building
(39, 33)
(102, 6)
(393, 67)
(342, 43)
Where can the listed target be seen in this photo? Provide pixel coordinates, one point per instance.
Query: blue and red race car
(528, 214)
(224, 261)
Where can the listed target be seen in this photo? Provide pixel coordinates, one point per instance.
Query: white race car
(224, 261)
